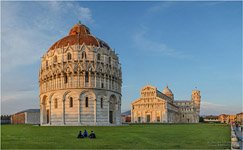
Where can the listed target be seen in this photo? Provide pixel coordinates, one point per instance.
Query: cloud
(13, 102)
(144, 42)
(66, 8)
(160, 6)
(26, 37)
(212, 3)
(208, 108)
(27, 31)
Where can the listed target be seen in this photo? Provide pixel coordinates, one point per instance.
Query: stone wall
(32, 118)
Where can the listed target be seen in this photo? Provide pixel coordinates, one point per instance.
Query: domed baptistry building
(80, 81)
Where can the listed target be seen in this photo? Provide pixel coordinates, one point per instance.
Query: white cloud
(208, 108)
(24, 39)
(27, 31)
(144, 42)
(160, 6)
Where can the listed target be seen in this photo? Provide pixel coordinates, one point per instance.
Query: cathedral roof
(79, 34)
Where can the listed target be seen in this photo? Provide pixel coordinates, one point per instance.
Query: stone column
(95, 79)
(63, 111)
(84, 79)
(107, 82)
(100, 81)
(50, 112)
(79, 109)
(119, 113)
(95, 111)
(132, 117)
(78, 79)
(89, 79)
(41, 114)
(108, 108)
(62, 81)
(161, 118)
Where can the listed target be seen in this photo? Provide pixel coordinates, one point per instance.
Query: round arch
(112, 109)
(44, 110)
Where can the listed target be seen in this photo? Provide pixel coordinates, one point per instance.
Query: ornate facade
(155, 106)
(80, 81)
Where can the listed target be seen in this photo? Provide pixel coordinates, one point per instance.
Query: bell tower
(196, 99)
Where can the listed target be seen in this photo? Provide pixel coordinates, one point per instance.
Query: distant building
(29, 116)
(5, 119)
(223, 118)
(231, 119)
(156, 106)
(126, 117)
(239, 117)
(211, 119)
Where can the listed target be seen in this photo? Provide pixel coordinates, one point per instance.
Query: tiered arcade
(80, 81)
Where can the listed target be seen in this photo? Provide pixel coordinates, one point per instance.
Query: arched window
(65, 78)
(101, 103)
(46, 64)
(87, 102)
(70, 102)
(83, 55)
(69, 56)
(98, 56)
(86, 76)
(109, 60)
(55, 59)
(102, 85)
(55, 103)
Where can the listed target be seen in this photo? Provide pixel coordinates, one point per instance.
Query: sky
(184, 45)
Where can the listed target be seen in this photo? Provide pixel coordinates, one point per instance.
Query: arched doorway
(45, 112)
(112, 109)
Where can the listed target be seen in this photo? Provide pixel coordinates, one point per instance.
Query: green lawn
(159, 136)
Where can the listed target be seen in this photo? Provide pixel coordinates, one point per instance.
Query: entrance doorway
(110, 116)
(113, 107)
(148, 118)
(47, 116)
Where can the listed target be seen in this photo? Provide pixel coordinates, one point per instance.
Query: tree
(201, 119)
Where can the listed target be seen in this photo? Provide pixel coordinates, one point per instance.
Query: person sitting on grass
(85, 133)
(92, 135)
(80, 135)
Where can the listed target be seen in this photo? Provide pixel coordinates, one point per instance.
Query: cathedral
(154, 106)
(80, 81)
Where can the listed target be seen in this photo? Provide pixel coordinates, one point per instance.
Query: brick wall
(18, 118)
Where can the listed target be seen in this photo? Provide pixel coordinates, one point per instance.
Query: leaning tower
(196, 99)
(80, 81)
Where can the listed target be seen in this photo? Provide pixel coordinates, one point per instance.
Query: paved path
(239, 134)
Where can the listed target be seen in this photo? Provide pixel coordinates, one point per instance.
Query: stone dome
(79, 34)
(166, 90)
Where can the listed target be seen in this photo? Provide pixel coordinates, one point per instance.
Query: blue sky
(182, 44)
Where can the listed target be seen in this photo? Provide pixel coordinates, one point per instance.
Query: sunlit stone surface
(155, 106)
(80, 81)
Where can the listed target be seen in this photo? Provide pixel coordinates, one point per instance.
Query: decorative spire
(79, 22)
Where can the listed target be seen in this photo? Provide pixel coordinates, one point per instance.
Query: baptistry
(80, 81)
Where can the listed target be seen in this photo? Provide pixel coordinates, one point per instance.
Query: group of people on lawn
(85, 134)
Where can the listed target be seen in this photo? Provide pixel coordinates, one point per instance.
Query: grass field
(160, 136)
